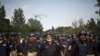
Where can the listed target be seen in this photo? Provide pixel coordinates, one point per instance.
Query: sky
(53, 12)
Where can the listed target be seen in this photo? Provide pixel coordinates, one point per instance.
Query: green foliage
(35, 25)
(4, 23)
(19, 25)
(18, 20)
(98, 5)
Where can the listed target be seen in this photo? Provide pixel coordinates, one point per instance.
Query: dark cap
(47, 33)
(20, 34)
(89, 33)
(13, 34)
(82, 33)
(32, 34)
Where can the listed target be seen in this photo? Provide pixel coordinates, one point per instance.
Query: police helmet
(13, 34)
(62, 35)
(82, 33)
(19, 34)
(89, 33)
(32, 34)
(47, 33)
(37, 34)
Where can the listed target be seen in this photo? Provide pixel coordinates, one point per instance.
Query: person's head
(37, 35)
(48, 37)
(62, 36)
(32, 37)
(74, 37)
(13, 35)
(20, 35)
(82, 35)
(88, 35)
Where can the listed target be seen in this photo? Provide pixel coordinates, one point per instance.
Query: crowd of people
(81, 44)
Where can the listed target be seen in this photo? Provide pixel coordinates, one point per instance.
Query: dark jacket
(82, 48)
(3, 48)
(91, 47)
(49, 50)
(74, 49)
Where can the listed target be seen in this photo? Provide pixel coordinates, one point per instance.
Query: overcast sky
(53, 12)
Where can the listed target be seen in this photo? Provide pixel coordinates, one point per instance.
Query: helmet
(82, 32)
(89, 33)
(13, 34)
(37, 33)
(19, 34)
(32, 34)
(64, 35)
(47, 33)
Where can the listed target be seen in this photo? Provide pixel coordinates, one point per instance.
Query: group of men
(82, 44)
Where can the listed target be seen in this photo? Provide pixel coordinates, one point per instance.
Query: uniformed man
(3, 46)
(49, 47)
(13, 44)
(90, 44)
(64, 43)
(73, 44)
(39, 39)
(32, 45)
(98, 45)
(81, 44)
(21, 51)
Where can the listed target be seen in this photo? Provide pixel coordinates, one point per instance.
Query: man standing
(81, 44)
(21, 51)
(32, 45)
(49, 47)
(3, 46)
(90, 44)
(64, 43)
(13, 44)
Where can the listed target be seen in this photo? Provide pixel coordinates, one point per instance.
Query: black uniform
(50, 49)
(32, 47)
(3, 48)
(91, 47)
(21, 50)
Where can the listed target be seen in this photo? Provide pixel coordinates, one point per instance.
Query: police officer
(73, 45)
(49, 47)
(21, 45)
(81, 44)
(39, 39)
(3, 46)
(32, 45)
(98, 45)
(64, 43)
(90, 44)
(13, 44)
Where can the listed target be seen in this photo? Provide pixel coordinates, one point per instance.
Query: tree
(81, 22)
(98, 5)
(18, 20)
(91, 25)
(35, 25)
(65, 30)
(98, 19)
(75, 24)
(4, 23)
